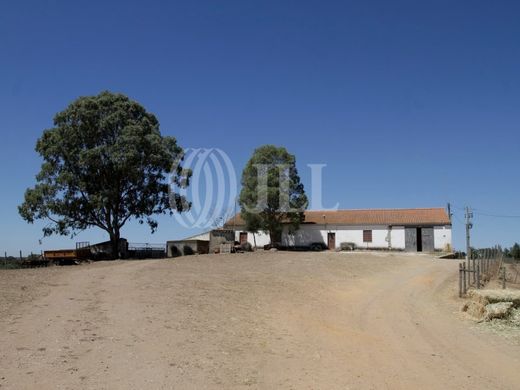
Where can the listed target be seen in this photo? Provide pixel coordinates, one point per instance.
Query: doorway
(419, 239)
(331, 241)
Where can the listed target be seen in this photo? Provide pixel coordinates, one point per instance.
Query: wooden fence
(484, 265)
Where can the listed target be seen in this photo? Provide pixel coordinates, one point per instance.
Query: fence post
(468, 270)
(460, 280)
(475, 270)
(464, 278)
(503, 277)
(478, 276)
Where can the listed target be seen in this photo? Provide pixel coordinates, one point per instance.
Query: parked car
(318, 246)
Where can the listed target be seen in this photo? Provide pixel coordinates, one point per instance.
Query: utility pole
(235, 218)
(469, 226)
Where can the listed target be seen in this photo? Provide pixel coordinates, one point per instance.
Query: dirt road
(263, 320)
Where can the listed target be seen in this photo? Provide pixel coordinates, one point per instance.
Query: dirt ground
(261, 320)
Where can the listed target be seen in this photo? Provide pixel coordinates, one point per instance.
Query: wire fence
(146, 251)
(484, 265)
(21, 261)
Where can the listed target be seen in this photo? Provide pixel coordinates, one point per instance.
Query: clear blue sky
(411, 104)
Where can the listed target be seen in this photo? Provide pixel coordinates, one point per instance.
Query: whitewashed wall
(398, 237)
(308, 234)
(354, 234)
(261, 238)
(442, 237)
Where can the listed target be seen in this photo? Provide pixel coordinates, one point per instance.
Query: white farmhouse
(415, 230)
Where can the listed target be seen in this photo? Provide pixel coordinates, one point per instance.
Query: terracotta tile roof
(396, 217)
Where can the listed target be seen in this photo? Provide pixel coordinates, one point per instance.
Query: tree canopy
(104, 162)
(272, 194)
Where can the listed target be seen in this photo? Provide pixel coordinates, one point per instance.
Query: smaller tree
(272, 194)
(515, 251)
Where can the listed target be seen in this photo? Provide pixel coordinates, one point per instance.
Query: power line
(485, 214)
(457, 218)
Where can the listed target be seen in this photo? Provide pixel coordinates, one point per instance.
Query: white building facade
(415, 230)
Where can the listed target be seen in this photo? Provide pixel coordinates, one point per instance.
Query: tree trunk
(114, 243)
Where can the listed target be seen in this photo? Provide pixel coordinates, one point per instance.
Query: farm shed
(186, 247)
(201, 243)
(414, 230)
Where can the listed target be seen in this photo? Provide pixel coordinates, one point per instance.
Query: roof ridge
(381, 209)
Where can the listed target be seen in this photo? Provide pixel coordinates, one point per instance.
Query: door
(410, 239)
(427, 240)
(243, 237)
(331, 238)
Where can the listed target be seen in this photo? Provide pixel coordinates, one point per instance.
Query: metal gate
(427, 239)
(410, 239)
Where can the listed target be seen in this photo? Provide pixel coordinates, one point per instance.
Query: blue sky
(410, 104)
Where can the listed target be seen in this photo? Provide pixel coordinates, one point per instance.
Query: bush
(246, 247)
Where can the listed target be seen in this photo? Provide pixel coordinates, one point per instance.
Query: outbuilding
(198, 244)
(201, 243)
(414, 230)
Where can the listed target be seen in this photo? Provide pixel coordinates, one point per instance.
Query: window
(367, 235)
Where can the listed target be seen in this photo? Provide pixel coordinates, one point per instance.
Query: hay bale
(477, 296)
(499, 310)
(474, 309)
(486, 297)
(514, 317)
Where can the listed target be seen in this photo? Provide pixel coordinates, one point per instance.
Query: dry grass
(488, 296)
